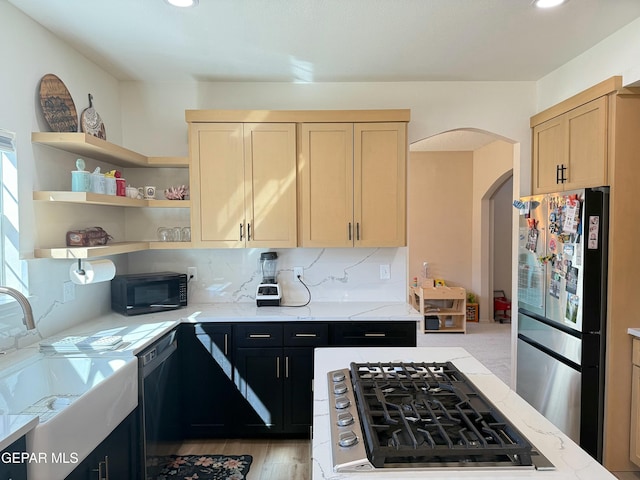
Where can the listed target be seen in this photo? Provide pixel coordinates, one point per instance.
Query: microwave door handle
(167, 305)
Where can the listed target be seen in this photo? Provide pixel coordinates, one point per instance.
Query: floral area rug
(203, 467)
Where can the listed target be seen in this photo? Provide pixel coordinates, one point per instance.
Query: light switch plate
(385, 272)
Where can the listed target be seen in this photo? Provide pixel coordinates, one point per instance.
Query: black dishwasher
(159, 400)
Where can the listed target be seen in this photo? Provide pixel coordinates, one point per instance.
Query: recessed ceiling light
(182, 3)
(547, 3)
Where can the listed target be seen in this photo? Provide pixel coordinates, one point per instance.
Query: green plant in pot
(471, 297)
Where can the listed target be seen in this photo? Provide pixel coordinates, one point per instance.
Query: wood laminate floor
(272, 459)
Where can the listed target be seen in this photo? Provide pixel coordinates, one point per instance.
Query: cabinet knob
(349, 230)
(241, 231)
(248, 232)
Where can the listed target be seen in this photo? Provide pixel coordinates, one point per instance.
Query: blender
(268, 293)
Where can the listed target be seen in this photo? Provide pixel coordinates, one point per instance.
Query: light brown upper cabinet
(352, 184)
(570, 150)
(243, 184)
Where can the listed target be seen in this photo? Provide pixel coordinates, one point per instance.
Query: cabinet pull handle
(248, 232)
(286, 367)
(241, 231)
(313, 335)
(105, 464)
(226, 344)
(357, 230)
(277, 367)
(349, 230)
(259, 335)
(375, 334)
(560, 169)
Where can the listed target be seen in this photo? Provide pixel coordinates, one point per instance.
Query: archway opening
(454, 180)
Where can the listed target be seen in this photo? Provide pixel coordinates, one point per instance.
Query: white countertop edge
(569, 459)
(139, 331)
(634, 331)
(13, 427)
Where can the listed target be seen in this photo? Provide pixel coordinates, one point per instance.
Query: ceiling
(330, 40)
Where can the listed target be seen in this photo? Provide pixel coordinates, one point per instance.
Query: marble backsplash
(332, 275)
(224, 275)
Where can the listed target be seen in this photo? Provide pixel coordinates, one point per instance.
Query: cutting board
(57, 105)
(91, 122)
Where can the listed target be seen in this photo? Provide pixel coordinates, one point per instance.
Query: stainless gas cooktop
(420, 415)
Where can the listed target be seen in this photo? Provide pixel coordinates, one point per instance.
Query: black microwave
(139, 293)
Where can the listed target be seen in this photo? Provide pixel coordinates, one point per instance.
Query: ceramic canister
(80, 181)
(121, 187)
(98, 183)
(110, 185)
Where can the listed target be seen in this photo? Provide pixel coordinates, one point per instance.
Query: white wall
(618, 54)
(440, 192)
(492, 165)
(28, 53)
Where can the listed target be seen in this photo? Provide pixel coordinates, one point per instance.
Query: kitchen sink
(79, 399)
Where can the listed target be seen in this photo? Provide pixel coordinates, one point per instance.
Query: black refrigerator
(562, 305)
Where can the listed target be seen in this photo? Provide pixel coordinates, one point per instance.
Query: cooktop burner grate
(430, 413)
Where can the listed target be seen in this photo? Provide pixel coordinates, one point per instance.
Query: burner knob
(342, 402)
(347, 439)
(345, 419)
(338, 377)
(340, 388)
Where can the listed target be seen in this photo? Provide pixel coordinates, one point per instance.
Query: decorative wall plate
(91, 122)
(57, 105)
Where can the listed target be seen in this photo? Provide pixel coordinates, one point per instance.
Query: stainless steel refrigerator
(562, 303)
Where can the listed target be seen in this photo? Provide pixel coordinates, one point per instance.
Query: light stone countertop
(139, 331)
(634, 332)
(570, 460)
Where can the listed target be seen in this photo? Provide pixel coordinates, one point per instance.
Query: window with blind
(9, 231)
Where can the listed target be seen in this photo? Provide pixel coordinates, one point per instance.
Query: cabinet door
(116, 457)
(570, 150)
(260, 382)
(217, 184)
(549, 153)
(380, 184)
(587, 130)
(10, 470)
(326, 185)
(634, 449)
(208, 392)
(298, 390)
(270, 181)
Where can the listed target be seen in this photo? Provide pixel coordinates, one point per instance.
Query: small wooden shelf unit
(449, 304)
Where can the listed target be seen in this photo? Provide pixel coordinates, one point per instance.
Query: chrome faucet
(24, 303)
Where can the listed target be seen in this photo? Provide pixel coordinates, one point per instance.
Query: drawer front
(211, 328)
(257, 335)
(397, 334)
(302, 334)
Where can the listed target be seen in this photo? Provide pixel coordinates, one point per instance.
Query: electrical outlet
(192, 273)
(298, 272)
(385, 272)
(68, 292)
